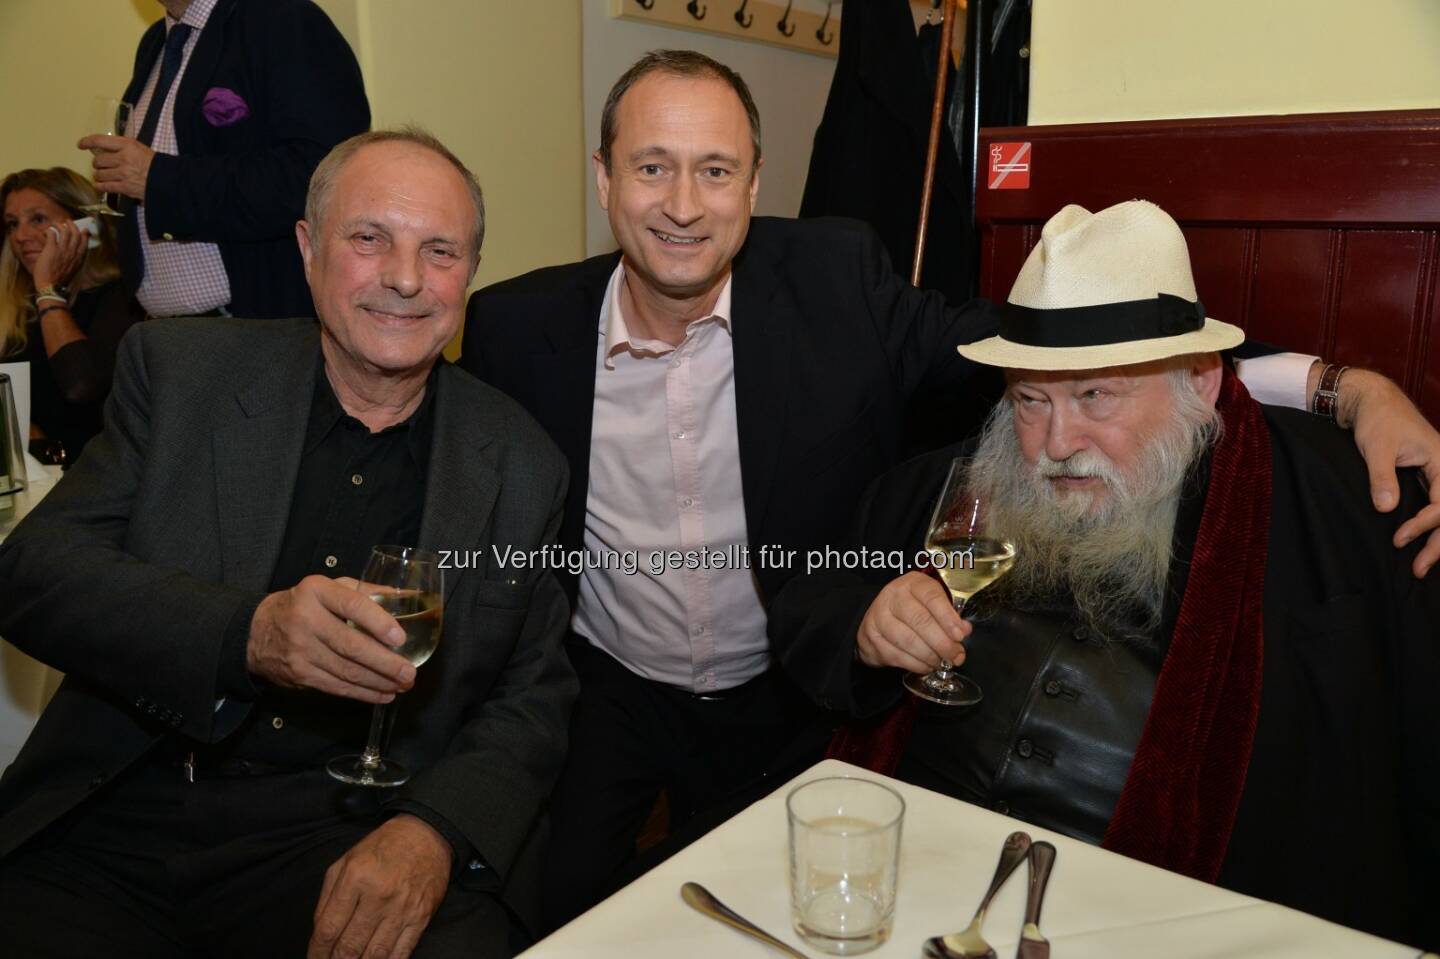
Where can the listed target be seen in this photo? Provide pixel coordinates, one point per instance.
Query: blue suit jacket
(242, 184)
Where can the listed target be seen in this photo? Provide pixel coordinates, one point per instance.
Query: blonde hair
(71, 192)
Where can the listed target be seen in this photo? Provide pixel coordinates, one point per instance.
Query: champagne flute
(969, 554)
(110, 117)
(409, 584)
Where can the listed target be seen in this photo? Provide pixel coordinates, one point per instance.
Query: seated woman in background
(62, 306)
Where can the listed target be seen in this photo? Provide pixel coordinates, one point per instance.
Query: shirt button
(1025, 748)
(331, 562)
(699, 630)
(1002, 807)
(679, 434)
(1052, 688)
(357, 479)
(687, 502)
(278, 723)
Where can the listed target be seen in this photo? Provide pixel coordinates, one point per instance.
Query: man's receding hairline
(415, 147)
(696, 78)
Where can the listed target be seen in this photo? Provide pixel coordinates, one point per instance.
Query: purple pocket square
(223, 106)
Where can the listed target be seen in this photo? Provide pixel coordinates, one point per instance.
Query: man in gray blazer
(188, 577)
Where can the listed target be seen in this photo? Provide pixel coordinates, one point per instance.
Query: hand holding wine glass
(108, 117)
(408, 584)
(321, 634)
(969, 553)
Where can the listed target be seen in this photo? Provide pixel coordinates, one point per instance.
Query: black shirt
(68, 389)
(354, 490)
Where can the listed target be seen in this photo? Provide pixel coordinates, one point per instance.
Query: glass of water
(844, 862)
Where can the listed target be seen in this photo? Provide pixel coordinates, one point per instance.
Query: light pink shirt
(181, 277)
(665, 475)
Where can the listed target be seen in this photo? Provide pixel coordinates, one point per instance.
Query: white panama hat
(1103, 289)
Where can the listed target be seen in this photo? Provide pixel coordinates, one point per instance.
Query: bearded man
(1207, 655)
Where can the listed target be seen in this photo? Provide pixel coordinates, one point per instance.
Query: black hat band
(1165, 315)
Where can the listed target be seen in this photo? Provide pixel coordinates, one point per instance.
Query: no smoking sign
(1009, 166)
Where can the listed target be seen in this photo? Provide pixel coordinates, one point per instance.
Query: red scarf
(1179, 802)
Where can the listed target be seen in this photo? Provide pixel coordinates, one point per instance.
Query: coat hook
(646, 4)
(740, 17)
(820, 32)
(696, 11)
(785, 19)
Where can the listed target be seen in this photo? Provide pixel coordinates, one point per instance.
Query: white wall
(789, 88)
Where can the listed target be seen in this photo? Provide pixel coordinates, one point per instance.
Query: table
(26, 685)
(1098, 905)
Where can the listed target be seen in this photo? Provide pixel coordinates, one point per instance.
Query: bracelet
(1326, 401)
(55, 292)
(53, 308)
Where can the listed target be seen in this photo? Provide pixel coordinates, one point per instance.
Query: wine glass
(108, 116)
(409, 584)
(969, 554)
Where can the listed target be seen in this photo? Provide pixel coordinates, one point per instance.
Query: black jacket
(1340, 815)
(828, 346)
(128, 575)
(242, 185)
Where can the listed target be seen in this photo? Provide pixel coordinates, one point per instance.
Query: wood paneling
(1317, 233)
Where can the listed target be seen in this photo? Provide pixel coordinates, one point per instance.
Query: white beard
(1109, 553)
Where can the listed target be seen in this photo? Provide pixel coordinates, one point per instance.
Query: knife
(1032, 944)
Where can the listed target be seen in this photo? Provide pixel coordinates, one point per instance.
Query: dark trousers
(630, 738)
(228, 867)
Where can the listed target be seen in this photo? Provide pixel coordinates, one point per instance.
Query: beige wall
(56, 56)
(499, 82)
(1097, 60)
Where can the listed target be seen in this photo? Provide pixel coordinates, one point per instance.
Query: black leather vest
(1051, 742)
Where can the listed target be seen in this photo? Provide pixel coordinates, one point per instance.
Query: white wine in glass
(409, 584)
(108, 116)
(969, 555)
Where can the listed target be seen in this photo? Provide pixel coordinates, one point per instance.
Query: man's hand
(300, 638)
(379, 896)
(912, 624)
(61, 255)
(1391, 433)
(122, 166)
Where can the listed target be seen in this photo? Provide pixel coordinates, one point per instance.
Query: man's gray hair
(322, 181)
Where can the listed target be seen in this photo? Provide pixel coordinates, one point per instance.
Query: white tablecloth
(25, 685)
(1098, 905)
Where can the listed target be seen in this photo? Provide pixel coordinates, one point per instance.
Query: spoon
(968, 943)
(702, 900)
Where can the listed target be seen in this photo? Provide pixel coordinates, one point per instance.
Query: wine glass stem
(371, 756)
(943, 673)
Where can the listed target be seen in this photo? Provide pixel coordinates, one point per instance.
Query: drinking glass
(969, 554)
(409, 584)
(109, 116)
(844, 862)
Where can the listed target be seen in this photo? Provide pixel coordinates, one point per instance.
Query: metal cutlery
(1032, 944)
(968, 943)
(704, 901)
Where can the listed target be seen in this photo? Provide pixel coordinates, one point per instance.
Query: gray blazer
(127, 575)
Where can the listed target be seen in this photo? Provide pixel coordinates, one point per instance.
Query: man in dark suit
(235, 103)
(720, 384)
(173, 798)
